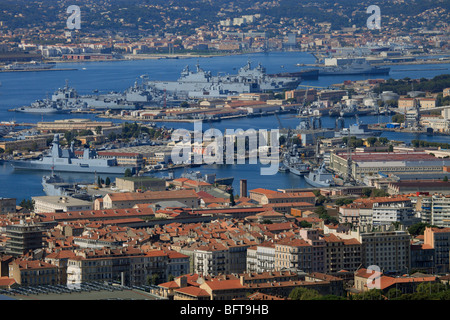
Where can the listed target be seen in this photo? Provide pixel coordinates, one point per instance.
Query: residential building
(7, 205)
(439, 240)
(33, 272)
(23, 237)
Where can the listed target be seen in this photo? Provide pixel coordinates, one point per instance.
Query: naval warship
(355, 66)
(66, 161)
(247, 80)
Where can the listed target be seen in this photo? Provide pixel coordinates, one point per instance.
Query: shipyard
(215, 151)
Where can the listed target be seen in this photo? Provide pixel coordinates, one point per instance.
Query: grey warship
(247, 80)
(66, 161)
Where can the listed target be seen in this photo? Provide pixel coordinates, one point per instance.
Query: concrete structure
(143, 183)
(73, 124)
(22, 238)
(364, 163)
(7, 205)
(439, 240)
(128, 200)
(46, 204)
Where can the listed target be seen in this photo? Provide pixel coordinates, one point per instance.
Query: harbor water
(22, 88)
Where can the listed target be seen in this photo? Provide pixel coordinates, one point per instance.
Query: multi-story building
(390, 250)
(130, 266)
(23, 237)
(366, 163)
(384, 247)
(7, 205)
(33, 272)
(143, 183)
(129, 199)
(211, 259)
(306, 253)
(440, 211)
(396, 209)
(46, 204)
(261, 258)
(439, 240)
(341, 254)
(177, 264)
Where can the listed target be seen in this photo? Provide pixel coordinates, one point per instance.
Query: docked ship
(66, 161)
(247, 80)
(54, 185)
(45, 106)
(320, 177)
(349, 111)
(132, 98)
(344, 66)
(209, 178)
(295, 165)
(29, 66)
(357, 130)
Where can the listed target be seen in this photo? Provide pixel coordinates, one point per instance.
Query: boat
(45, 106)
(357, 130)
(320, 177)
(306, 74)
(344, 66)
(247, 80)
(66, 161)
(54, 185)
(29, 66)
(209, 178)
(131, 98)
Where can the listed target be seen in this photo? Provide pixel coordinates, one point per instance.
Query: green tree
(27, 204)
(99, 182)
(305, 224)
(301, 293)
(107, 181)
(418, 228)
(128, 173)
(372, 294)
(371, 141)
(445, 179)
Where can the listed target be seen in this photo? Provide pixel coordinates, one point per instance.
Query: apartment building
(439, 240)
(261, 258)
(7, 205)
(23, 237)
(211, 259)
(341, 254)
(379, 211)
(33, 272)
(305, 253)
(440, 211)
(128, 265)
(388, 249)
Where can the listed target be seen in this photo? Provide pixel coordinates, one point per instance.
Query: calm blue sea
(22, 88)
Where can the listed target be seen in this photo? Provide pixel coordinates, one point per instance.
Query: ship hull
(35, 165)
(42, 110)
(315, 183)
(331, 72)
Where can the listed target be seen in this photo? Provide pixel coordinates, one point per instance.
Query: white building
(46, 204)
